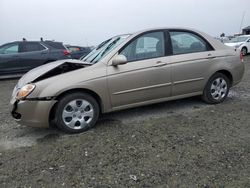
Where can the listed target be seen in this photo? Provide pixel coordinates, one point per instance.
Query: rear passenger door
(33, 54)
(192, 57)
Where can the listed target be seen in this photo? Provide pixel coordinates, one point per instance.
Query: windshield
(239, 39)
(103, 49)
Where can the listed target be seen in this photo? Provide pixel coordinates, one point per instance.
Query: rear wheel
(244, 51)
(77, 112)
(217, 89)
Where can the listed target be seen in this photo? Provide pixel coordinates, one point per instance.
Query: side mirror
(119, 60)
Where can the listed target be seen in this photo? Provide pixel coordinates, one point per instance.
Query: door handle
(210, 56)
(159, 64)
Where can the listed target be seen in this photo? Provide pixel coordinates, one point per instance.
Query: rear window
(186, 42)
(74, 49)
(56, 45)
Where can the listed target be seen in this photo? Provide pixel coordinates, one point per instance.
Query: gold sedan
(126, 71)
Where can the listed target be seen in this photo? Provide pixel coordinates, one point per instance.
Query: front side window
(147, 46)
(9, 49)
(185, 42)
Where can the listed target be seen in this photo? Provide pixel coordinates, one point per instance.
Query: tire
(76, 113)
(216, 89)
(244, 51)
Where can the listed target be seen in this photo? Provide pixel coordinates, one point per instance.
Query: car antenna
(24, 39)
(41, 38)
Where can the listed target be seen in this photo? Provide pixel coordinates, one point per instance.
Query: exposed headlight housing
(25, 91)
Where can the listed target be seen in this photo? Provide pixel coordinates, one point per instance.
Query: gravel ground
(183, 143)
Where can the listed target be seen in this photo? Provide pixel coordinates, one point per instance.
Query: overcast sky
(89, 22)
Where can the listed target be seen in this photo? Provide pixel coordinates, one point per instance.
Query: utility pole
(243, 16)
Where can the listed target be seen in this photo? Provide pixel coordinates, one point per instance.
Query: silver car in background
(126, 71)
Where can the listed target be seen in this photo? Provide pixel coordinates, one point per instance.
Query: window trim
(169, 49)
(208, 45)
(144, 33)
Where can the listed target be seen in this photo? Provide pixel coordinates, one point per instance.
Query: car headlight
(25, 91)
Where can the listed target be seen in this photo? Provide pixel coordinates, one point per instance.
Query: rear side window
(32, 47)
(56, 45)
(185, 42)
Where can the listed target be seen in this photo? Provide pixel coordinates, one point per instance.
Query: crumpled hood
(40, 71)
(233, 44)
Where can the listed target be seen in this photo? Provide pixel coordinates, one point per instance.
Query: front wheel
(244, 51)
(217, 89)
(77, 112)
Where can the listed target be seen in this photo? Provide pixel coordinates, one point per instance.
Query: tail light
(66, 52)
(241, 57)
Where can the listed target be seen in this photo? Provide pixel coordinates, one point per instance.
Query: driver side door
(9, 59)
(145, 77)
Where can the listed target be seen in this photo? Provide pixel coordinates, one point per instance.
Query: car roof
(175, 28)
(244, 36)
(167, 28)
(45, 41)
(215, 44)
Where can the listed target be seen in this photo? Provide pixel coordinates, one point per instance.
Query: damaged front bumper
(34, 113)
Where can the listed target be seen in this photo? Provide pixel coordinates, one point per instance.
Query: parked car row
(240, 42)
(126, 71)
(17, 58)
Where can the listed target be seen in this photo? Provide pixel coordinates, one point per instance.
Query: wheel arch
(228, 74)
(206, 96)
(75, 90)
(245, 48)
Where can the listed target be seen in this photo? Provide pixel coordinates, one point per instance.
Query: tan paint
(135, 83)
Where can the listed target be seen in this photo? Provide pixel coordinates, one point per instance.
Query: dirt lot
(183, 143)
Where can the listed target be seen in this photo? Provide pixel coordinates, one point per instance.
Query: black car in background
(19, 57)
(77, 52)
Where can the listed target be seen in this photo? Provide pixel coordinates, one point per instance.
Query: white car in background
(241, 42)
